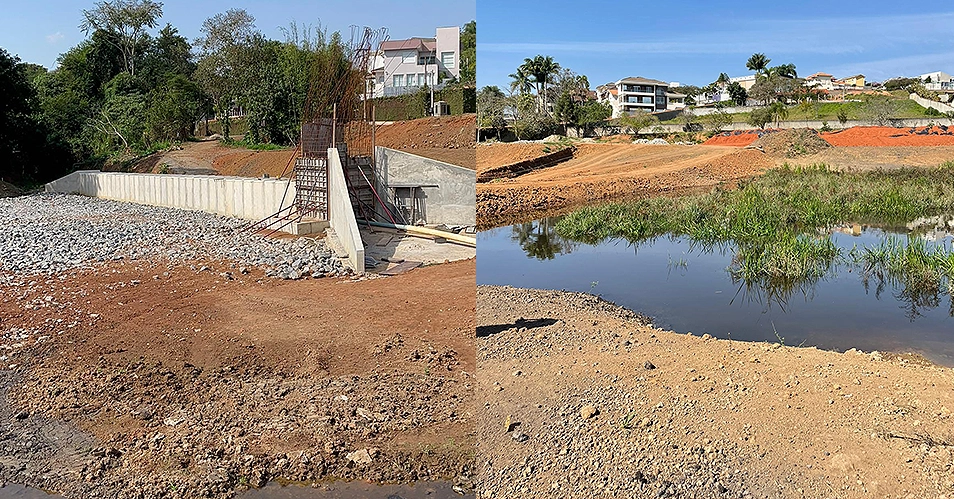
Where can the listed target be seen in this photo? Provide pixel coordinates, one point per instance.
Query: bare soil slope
(450, 139)
(503, 154)
(600, 404)
(601, 172)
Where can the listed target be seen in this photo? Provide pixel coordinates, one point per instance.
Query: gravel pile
(50, 233)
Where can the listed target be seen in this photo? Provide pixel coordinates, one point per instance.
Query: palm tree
(786, 71)
(779, 112)
(521, 80)
(541, 68)
(758, 63)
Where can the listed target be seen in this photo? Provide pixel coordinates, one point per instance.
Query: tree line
(129, 89)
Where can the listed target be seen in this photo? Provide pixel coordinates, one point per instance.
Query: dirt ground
(600, 172)
(9, 190)
(878, 157)
(450, 139)
(447, 138)
(502, 154)
(580, 398)
(147, 380)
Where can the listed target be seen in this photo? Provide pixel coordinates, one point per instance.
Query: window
(398, 80)
(426, 60)
(421, 78)
(447, 59)
(409, 57)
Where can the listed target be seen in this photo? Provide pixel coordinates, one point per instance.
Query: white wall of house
(448, 50)
(402, 71)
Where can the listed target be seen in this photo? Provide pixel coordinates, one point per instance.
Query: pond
(687, 287)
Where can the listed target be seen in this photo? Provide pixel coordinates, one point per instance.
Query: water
(686, 289)
(357, 490)
(14, 491)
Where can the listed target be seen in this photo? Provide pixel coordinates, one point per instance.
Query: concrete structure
(403, 66)
(634, 94)
(939, 106)
(341, 214)
(239, 197)
(447, 195)
(939, 80)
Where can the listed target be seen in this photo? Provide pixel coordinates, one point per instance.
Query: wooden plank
(401, 268)
(385, 240)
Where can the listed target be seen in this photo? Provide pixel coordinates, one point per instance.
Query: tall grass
(779, 223)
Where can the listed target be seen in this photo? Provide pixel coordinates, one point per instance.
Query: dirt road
(600, 172)
(149, 380)
(580, 398)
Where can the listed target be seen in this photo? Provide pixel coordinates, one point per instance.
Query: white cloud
(54, 38)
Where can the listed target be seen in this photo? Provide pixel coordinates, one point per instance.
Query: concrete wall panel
(452, 202)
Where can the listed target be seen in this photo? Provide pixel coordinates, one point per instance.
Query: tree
(566, 110)
(785, 71)
(758, 63)
(122, 115)
(717, 121)
(594, 114)
(878, 110)
(174, 109)
(779, 112)
(468, 54)
(169, 54)
(225, 37)
(127, 20)
(773, 87)
(638, 120)
(760, 117)
(520, 80)
(738, 93)
(491, 103)
(688, 119)
(540, 68)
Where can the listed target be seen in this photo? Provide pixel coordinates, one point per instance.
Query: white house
(634, 94)
(937, 80)
(823, 81)
(403, 66)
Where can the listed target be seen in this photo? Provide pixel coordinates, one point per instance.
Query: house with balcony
(634, 94)
(400, 67)
(938, 80)
(823, 81)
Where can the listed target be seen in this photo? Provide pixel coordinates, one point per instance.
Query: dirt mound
(254, 163)
(738, 138)
(938, 135)
(502, 154)
(791, 143)
(451, 139)
(9, 190)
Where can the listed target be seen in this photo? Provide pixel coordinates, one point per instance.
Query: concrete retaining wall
(246, 198)
(452, 202)
(944, 108)
(341, 214)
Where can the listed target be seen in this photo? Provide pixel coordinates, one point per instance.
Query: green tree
(127, 20)
(468, 53)
(779, 112)
(540, 68)
(175, 108)
(760, 117)
(717, 120)
(594, 114)
(491, 103)
(122, 117)
(226, 36)
(638, 120)
(521, 81)
(167, 55)
(758, 63)
(737, 93)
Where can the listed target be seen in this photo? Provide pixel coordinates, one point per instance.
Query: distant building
(403, 66)
(823, 81)
(747, 82)
(937, 80)
(634, 94)
(856, 81)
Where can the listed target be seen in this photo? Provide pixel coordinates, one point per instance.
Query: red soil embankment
(740, 138)
(889, 136)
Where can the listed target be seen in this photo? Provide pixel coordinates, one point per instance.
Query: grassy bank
(779, 223)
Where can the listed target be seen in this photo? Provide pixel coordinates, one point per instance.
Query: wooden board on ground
(385, 240)
(401, 268)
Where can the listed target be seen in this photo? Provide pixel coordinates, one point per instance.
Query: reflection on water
(690, 286)
(11, 491)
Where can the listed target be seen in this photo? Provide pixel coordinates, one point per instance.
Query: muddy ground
(147, 379)
(580, 398)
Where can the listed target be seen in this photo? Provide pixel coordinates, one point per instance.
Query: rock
(588, 411)
(649, 365)
(361, 456)
(520, 437)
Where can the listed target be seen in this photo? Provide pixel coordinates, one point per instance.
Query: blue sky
(38, 31)
(693, 41)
